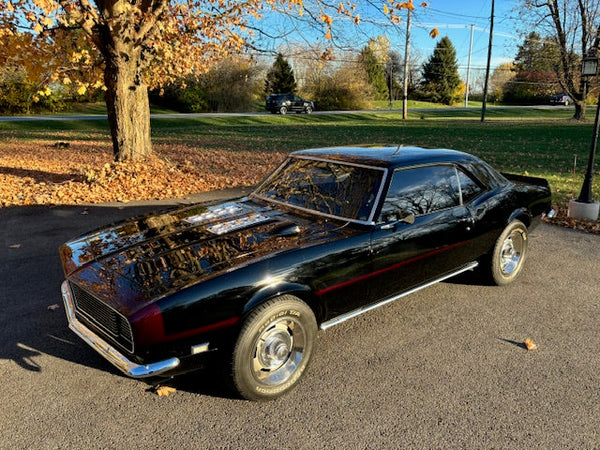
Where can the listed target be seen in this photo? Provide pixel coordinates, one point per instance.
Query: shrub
(343, 89)
(230, 86)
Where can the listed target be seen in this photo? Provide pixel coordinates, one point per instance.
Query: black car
(560, 99)
(332, 233)
(284, 103)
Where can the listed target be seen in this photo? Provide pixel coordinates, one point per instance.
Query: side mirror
(393, 220)
(409, 218)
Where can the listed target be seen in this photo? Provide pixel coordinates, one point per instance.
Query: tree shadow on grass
(40, 176)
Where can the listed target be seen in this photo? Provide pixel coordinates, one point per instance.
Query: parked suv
(284, 103)
(560, 99)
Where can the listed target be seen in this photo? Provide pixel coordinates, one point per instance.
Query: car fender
(521, 214)
(305, 293)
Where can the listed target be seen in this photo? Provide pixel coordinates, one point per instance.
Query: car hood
(130, 263)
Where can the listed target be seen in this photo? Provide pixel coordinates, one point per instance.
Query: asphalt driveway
(444, 368)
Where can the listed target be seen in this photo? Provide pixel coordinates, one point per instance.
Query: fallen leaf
(165, 391)
(530, 344)
(15, 246)
(53, 307)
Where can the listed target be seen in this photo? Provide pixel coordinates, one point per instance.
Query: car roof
(386, 155)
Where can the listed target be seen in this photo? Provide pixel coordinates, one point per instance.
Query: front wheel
(274, 348)
(283, 110)
(308, 110)
(509, 253)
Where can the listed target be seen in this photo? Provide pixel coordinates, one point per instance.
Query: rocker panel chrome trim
(357, 312)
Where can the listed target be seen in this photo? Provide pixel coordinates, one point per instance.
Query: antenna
(397, 150)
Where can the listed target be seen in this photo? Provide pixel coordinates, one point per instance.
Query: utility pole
(406, 48)
(391, 83)
(469, 68)
(487, 69)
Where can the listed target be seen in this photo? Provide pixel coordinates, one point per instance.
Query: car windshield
(333, 189)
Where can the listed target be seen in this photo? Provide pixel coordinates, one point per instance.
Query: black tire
(509, 254)
(274, 348)
(308, 110)
(283, 110)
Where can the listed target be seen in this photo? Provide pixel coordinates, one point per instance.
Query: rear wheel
(274, 348)
(509, 253)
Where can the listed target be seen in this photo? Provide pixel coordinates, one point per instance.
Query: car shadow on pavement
(33, 323)
(475, 277)
(207, 382)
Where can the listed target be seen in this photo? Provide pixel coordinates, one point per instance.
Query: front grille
(102, 318)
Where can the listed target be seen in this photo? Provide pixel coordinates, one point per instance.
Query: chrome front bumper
(108, 351)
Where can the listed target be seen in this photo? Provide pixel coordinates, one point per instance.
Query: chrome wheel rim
(278, 351)
(511, 254)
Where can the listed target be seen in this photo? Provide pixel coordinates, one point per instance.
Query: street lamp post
(584, 207)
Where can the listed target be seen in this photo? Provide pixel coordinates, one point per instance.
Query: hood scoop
(238, 224)
(228, 217)
(220, 212)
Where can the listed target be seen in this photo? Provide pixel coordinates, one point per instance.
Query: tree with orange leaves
(147, 43)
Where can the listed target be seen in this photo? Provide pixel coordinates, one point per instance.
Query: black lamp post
(584, 207)
(589, 68)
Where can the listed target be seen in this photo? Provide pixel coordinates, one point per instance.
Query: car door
(297, 103)
(424, 231)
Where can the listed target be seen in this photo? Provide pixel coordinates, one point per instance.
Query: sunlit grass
(538, 142)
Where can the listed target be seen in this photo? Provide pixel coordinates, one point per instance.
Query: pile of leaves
(562, 219)
(43, 173)
(39, 172)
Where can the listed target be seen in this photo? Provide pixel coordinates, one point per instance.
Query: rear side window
(469, 189)
(422, 190)
(486, 174)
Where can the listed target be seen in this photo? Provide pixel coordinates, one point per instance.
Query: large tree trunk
(128, 109)
(579, 99)
(579, 113)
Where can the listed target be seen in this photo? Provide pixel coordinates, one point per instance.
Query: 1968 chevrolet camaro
(332, 233)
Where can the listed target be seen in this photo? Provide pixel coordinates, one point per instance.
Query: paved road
(245, 114)
(443, 368)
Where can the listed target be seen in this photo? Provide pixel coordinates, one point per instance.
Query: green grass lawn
(536, 142)
(397, 104)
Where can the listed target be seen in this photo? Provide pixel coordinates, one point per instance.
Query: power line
(453, 14)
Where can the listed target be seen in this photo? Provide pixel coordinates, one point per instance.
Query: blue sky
(453, 18)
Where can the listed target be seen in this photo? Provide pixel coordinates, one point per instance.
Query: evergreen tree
(375, 72)
(394, 71)
(535, 68)
(441, 81)
(280, 78)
